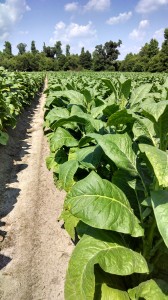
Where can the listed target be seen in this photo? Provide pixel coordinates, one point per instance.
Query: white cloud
(143, 24)
(73, 30)
(74, 34)
(76, 30)
(4, 36)
(122, 17)
(91, 5)
(73, 6)
(23, 32)
(60, 25)
(100, 5)
(136, 34)
(146, 6)
(125, 49)
(11, 11)
(159, 35)
(139, 33)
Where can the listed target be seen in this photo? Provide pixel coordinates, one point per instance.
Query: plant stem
(144, 186)
(139, 206)
(148, 241)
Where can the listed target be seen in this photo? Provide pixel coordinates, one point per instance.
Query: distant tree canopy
(104, 57)
(149, 59)
(7, 49)
(85, 59)
(22, 48)
(67, 50)
(33, 48)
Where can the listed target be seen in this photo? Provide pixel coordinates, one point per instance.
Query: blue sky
(83, 23)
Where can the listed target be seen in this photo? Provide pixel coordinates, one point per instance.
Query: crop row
(108, 142)
(16, 91)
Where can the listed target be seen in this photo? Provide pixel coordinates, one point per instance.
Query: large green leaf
(87, 120)
(62, 138)
(108, 293)
(89, 157)
(155, 110)
(66, 174)
(118, 147)
(140, 93)
(74, 97)
(97, 111)
(159, 162)
(160, 206)
(88, 95)
(158, 114)
(150, 290)
(106, 250)
(110, 86)
(120, 117)
(75, 109)
(101, 204)
(54, 160)
(125, 88)
(122, 180)
(110, 109)
(70, 222)
(144, 128)
(56, 113)
(54, 101)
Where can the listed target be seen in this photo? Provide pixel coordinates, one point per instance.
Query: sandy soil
(34, 248)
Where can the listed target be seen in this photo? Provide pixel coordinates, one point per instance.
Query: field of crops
(16, 91)
(108, 138)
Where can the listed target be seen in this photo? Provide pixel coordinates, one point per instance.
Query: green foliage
(103, 248)
(85, 59)
(104, 58)
(7, 49)
(113, 136)
(16, 91)
(33, 48)
(22, 48)
(150, 58)
(151, 289)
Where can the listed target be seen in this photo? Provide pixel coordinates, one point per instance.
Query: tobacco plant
(16, 91)
(109, 152)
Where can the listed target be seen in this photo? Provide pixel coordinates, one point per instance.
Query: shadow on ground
(10, 156)
(4, 260)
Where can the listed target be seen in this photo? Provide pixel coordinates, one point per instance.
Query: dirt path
(35, 250)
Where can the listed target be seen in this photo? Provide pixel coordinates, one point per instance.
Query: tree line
(104, 58)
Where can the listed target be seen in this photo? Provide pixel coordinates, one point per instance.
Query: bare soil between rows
(35, 250)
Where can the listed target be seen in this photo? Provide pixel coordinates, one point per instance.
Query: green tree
(85, 59)
(58, 49)
(7, 49)
(99, 58)
(147, 52)
(155, 64)
(164, 52)
(67, 50)
(72, 63)
(22, 48)
(45, 63)
(153, 48)
(111, 53)
(61, 61)
(44, 48)
(49, 51)
(33, 48)
(128, 63)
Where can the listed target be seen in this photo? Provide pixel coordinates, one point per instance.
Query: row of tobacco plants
(108, 140)
(16, 91)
